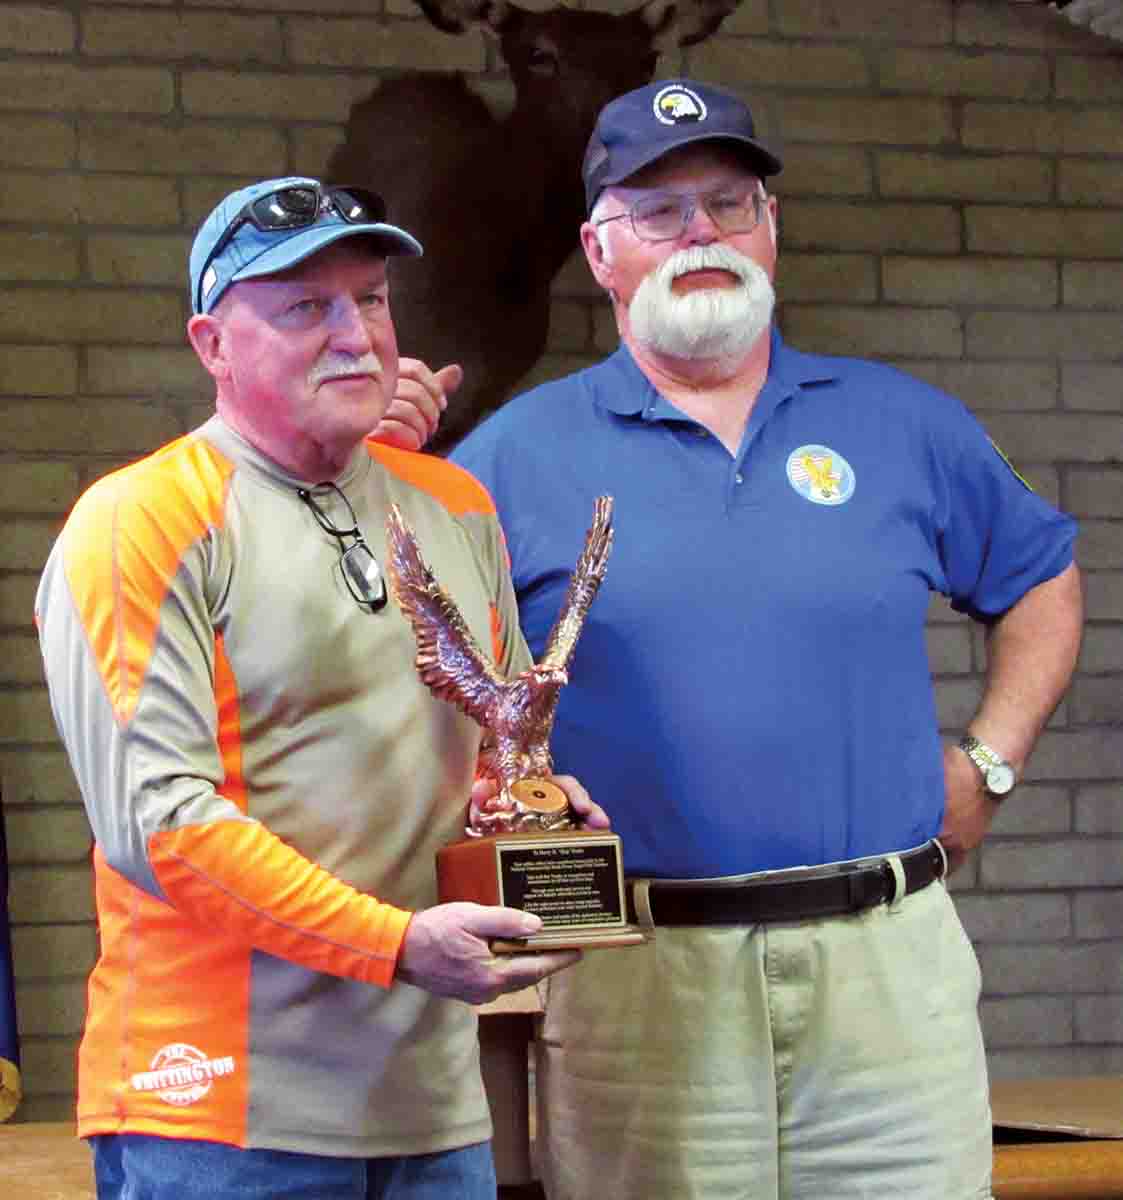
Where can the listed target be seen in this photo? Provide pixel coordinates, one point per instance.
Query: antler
(583, 586)
(672, 22)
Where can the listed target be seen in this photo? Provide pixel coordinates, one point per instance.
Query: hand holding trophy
(522, 847)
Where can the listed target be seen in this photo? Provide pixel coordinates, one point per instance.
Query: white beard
(709, 322)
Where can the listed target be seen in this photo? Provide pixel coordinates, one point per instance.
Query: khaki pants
(815, 1060)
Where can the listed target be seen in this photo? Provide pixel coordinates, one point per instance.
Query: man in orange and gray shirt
(278, 1007)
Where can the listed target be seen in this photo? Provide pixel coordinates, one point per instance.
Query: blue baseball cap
(641, 126)
(308, 215)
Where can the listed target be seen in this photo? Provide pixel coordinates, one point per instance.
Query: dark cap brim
(762, 161)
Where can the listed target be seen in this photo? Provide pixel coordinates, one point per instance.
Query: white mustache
(702, 258)
(333, 366)
(705, 322)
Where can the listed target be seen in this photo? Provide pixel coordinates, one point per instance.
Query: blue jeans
(132, 1166)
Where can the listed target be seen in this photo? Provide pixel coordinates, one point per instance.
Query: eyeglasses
(296, 207)
(360, 568)
(664, 216)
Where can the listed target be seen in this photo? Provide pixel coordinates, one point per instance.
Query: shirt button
(739, 477)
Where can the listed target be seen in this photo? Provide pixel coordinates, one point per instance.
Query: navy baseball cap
(273, 225)
(641, 126)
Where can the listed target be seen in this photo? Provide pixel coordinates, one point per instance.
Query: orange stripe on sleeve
(167, 502)
(460, 492)
(229, 727)
(242, 878)
(496, 635)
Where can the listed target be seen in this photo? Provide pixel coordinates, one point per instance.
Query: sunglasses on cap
(296, 207)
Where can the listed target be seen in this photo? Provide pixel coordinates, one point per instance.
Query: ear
(595, 257)
(684, 22)
(661, 17)
(458, 16)
(204, 332)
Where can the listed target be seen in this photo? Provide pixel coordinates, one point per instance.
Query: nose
(700, 228)
(349, 331)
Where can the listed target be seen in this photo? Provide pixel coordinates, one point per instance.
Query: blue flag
(10, 1090)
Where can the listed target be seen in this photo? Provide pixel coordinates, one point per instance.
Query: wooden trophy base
(573, 879)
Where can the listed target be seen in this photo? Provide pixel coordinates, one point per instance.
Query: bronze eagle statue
(516, 714)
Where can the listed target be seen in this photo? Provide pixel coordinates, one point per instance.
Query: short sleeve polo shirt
(751, 690)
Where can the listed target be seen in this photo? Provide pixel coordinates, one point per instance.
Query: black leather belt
(786, 895)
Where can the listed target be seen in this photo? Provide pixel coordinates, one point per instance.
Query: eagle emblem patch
(678, 105)
(821, 475)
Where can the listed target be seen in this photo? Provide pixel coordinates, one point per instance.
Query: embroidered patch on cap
(678, 105)
(821, 475)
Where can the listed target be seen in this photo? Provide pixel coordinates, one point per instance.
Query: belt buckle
(869, 885)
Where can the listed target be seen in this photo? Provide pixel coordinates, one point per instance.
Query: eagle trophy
(517, 714)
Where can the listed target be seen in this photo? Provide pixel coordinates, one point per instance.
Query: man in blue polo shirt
(752, 694)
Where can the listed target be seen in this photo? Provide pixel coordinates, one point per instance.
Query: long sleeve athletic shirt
(267, 782)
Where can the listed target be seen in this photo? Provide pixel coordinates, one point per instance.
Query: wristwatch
(998, 774)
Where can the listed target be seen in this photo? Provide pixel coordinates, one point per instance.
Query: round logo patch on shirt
(180, 1074)
(821, 475)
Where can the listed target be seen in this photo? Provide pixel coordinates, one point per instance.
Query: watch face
(1000, 779)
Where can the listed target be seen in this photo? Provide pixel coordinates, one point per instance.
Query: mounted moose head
(497, 203)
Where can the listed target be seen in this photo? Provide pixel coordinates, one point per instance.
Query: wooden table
(1058, 1139)
(1070, 1170)
(44, 1162)
(506, 1032)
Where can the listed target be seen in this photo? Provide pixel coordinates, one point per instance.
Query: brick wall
(953, 202)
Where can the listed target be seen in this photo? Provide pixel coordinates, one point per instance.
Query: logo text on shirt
(181, 1074)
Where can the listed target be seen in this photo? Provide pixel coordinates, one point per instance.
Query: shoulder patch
(1014, 470)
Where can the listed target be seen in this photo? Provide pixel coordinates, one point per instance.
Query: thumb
(450, 377)
(491, 920)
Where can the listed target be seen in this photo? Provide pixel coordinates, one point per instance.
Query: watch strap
(987, 759)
